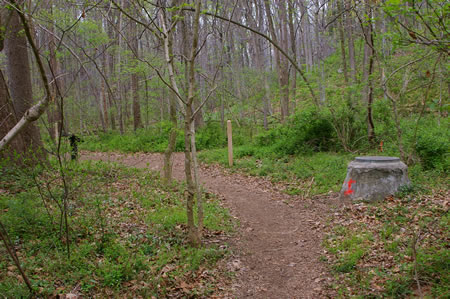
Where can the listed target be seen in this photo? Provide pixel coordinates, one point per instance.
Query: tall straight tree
(54, 115)
(368, 64)
(168, 43)
(187, 102)
(19, 83)
(292, 34)
(134, 44)
(351, 44)
(281, 60)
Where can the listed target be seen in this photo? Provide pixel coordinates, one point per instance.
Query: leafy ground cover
(126, 235)
(396, 248)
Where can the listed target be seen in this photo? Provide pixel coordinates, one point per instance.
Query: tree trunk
(168, 163)
(368, 69)
(134, 78)
(194, 236)
(294, 54)
(351, 45)
(342, 42)
(193, 186)
(111, 67)
(104, 96)
(283, 78)
(54, 114)
(284, 67)
(119, 69)
(19, 83)
(319, 49)
(7, 121)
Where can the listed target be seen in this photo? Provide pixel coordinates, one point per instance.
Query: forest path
(277, 248)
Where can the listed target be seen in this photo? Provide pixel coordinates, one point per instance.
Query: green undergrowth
(396, 248)
(126, 230)
(310, 174)
(155, 139)
(306, 152)
(317, 172)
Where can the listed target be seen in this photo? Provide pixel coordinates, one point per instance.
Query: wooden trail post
(230, 143)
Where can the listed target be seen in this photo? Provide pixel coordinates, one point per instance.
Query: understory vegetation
(126, 234)
(306, 151)
(396, 248)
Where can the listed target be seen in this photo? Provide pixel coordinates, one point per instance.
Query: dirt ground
(276, 252)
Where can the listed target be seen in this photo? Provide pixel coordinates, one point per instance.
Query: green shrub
(352, 126)
(306, 131)
(211, 136)
(432, 147)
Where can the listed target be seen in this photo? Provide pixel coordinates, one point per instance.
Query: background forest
(307, 84)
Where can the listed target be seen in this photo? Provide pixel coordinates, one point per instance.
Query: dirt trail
(277, 249)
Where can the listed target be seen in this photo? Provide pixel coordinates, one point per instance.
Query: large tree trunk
(19, 83)
(7, 121)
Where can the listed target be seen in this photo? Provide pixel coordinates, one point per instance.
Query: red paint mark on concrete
(349, 191)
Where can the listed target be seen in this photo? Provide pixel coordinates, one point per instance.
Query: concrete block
(372, 178)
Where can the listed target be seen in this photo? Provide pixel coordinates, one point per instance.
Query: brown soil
(277, 249)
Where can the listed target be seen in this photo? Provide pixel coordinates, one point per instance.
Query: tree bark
(294, 53)
(281, 64)
(104, 96)
(54, 114)
(193, 185)
(168, 153)
(15, 40)
(351, 45)
(134, 79)
(368, 70)
(7, 121)
(119, 69)
(342, 42)
(19, 83)
(284, 67)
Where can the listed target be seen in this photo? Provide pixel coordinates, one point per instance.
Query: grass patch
(314, 173)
